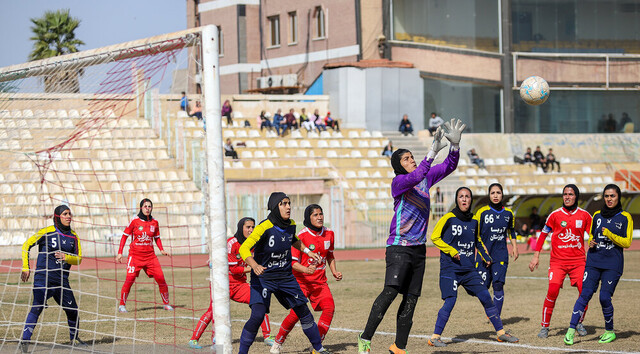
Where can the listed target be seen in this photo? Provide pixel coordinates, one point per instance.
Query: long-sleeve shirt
(142, 234)
(567, 240)
(453, 236)
(49, 241)
(411, 201)
(607, 253)
(236, 263)
(271, 248)
(496, 229)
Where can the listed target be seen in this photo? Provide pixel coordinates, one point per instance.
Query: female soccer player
(58, 248)
(456, 235)
(612, 231)
(239, 289)
(496, 225)
(271, 273)
(311, 274)
(406, 250)
(142, 229)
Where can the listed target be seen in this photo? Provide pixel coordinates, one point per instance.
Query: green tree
(53, 35)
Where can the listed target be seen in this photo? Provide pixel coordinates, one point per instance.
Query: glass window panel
(293, 27)
(274, 24)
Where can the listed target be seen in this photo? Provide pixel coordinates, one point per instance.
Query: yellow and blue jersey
(608, 253)
(496, 229)
(50, 241)
(271, 248)
(454, 236)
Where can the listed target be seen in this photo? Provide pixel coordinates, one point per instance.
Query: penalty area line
(545, 278)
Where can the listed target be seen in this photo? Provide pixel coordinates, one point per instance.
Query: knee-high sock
(498, 296)
(286, 326)
(328, 308)
(580, 305)
(250, 328)
(444, 313)
(309, 327)
(204, 321)
(490, 309)
(379, 308)
(404, 320)
(126, 287)
(32, 320)
(73, 322)
(266, 326)
(584, 313)
(549, 303)
(164, 289)
(607, 310)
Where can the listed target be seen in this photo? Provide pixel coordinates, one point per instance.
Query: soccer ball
(534, 90)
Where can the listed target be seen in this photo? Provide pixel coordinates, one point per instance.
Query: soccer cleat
(508, 338)
(321, 351)
(78, 343)
(364, 346)
(193, 344)
(275, 348)
(568, 338)
(607, 337)
(436, 342)
(581, 330)
(270, 340)
(168, 307)
(393, 349)
(122, 309)
(544, 332)
(24, 346)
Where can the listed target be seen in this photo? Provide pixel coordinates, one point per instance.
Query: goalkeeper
(58, 248)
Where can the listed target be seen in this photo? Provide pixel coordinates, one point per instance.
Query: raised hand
(454, 130)
(438, 143)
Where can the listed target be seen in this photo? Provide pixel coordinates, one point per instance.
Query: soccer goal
(100, 130)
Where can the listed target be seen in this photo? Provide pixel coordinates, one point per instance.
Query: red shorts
(557, 273)
(151, 266)
(317, 294)
(240, 292)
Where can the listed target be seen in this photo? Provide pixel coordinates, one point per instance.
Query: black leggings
(404, 319)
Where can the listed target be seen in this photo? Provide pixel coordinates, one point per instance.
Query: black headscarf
(240, 230)
(499, 205)
(611, 212)
(464, 216)
(56, 219)
(141, 214)
(307, 217)
(395, 162)
(274, 216)
(576, 191)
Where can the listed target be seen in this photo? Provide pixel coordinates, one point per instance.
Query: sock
(443, 314)
(164, 289)
(379, 308)
(578, 311)
(250, 328)
(204, 321)
(126, 287)
(405, 320)
(324, 322)
(494, 317)
(266, 326)
(498, 296)
(549, 303)
(309, 327)
(73, 322)
(32, 320)
(287, 325)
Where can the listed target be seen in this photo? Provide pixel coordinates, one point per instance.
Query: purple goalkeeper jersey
(411, 201)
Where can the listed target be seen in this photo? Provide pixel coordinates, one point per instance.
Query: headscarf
(141, 214)
(576, 191)
(56, 219)
(499, 205)
(307, 217)
(239, 235)
(611, 212)
(395, 162)
(274, 216)
(466, 215)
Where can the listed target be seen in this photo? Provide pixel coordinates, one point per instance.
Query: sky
(102, 23)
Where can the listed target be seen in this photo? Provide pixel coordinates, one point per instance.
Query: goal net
(99, 131)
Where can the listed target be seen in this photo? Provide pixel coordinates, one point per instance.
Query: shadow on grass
(514, 320)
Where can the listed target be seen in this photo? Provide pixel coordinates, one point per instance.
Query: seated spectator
(291, 120)
(528, 158)
(229, 150)
(331, 123)
(524, 231)
(475, 159)
(184, 102)
(264, 121)
(226, 112)
(534, 220)
(539, 159)
(406, 127)
(434, 122)
(388, 150)
(551, 160)
(196, 111)
(305, 122)
(318, 121)
(279, 122)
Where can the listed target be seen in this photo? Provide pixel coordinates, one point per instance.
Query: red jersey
(320, 243)
(143, 234)
(236, 264)
(567, 240)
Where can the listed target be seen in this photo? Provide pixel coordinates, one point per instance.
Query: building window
(320, 24)
(220, 42)
(293, 27)
(274, 25)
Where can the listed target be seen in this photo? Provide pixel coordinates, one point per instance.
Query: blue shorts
(593, 276)
(496, 273)
(61, 293)
(287, 291)
(470, 280)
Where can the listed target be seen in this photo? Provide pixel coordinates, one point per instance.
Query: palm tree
(53, 35)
